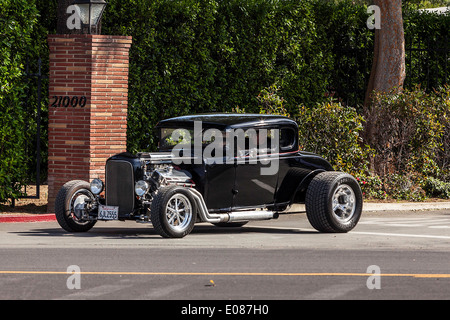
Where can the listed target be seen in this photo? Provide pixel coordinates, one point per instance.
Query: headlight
(141, 188)
(96, 186)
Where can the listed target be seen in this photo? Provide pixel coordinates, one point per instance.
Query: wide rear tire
(334, 202)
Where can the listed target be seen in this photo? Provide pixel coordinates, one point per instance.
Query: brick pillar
(88, 91)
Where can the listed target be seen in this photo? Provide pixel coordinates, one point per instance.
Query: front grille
(120, 185)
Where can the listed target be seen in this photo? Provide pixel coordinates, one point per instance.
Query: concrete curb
(402, 206)
(406, 206)
(14, 218)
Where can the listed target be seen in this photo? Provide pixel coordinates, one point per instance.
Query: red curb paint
(27, 218)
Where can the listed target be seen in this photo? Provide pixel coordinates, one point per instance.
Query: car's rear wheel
(71, 195)
(173, 212)
(333, 202)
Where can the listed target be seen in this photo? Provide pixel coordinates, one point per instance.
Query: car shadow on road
(104, 232)
(149, 232)
(209, 229)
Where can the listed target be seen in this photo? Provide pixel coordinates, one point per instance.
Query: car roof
(225, 121)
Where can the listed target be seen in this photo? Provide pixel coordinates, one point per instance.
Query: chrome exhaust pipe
(251, 215)
(203, 210)
(228, 217)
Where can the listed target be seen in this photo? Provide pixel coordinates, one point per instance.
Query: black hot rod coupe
(226, 169)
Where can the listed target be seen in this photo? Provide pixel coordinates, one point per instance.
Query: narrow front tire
(69, 196)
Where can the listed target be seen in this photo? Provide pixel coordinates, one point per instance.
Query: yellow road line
(302, 274)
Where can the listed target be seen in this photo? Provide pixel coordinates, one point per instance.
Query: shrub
(404, 186)
(333, 131)
(372, 186)
(270, 102)
(409, 133)
(401, 141)
(443, 153)
(406, 131)
(436, 188)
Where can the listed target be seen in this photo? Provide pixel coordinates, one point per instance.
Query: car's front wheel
(333, 202)
(173, 212)
(71, 195)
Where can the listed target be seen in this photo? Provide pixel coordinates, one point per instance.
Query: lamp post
(90, 12)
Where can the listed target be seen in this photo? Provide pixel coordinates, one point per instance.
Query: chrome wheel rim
(78, 198)
(344, 203)
(179, 212)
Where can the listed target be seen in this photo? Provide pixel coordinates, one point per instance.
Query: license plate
(108, 213)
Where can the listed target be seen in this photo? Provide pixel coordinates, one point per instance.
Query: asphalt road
(402, 255)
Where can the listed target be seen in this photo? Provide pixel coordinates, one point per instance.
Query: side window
(287, 139)
(250, 141)
(258, 141)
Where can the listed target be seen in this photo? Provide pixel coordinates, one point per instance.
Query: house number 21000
(60, 101)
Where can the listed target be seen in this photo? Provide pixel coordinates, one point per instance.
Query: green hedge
(18, 19)
(201, 56)
(428, 35)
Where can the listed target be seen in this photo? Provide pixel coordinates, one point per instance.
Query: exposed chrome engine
(159, 171)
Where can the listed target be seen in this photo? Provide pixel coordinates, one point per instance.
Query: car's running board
(231, 216)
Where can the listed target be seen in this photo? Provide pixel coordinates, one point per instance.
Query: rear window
(287, 138)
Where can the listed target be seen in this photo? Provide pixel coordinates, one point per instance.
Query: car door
(220, 183)
(220, 174)
(256, 169)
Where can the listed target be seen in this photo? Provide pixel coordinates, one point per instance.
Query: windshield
(180, 137)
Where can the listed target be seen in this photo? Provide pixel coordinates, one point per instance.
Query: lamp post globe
(90, 12)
